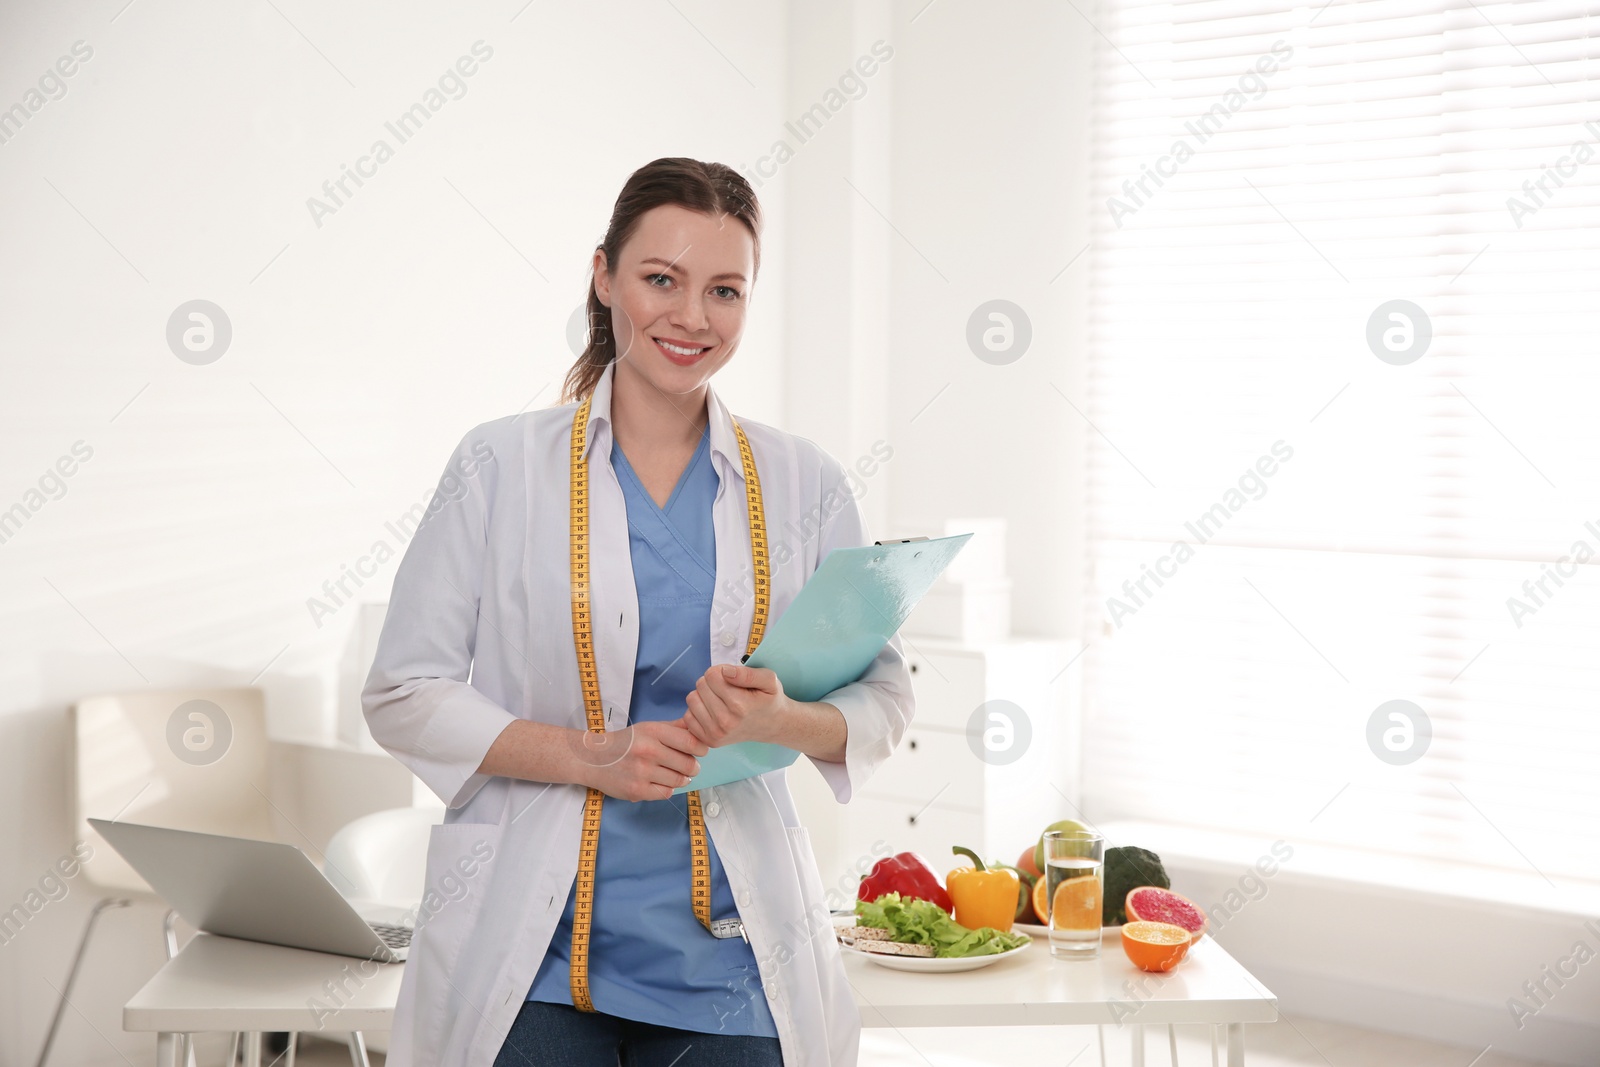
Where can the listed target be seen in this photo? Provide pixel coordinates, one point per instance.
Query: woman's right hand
(645, 761)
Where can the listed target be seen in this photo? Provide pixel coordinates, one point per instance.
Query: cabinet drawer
(882, 826)
(949, 685)
(931, 765)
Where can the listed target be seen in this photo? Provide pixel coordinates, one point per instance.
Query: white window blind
(1264, 179)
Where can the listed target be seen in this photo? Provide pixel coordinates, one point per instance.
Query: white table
(1035, 989)
(224, 985)
(220, 984)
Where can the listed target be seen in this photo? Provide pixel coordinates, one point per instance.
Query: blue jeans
(559, 1035)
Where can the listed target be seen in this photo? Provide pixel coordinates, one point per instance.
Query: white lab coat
(484, 591)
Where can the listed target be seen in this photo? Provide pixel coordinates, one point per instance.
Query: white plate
(1037, 930)
(933, 963)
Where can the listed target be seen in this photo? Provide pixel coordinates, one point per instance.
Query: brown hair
(712, 188)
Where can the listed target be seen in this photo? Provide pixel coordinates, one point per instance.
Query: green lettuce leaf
(922, 922)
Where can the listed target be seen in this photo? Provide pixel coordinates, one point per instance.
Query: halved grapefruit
(1150, 903)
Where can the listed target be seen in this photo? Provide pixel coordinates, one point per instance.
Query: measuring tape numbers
(583, 641)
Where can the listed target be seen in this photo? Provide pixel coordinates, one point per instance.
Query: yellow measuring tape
(582, 638)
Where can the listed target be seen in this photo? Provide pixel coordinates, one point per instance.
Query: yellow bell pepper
(982, 896)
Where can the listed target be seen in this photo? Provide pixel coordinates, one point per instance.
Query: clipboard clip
(892, 541)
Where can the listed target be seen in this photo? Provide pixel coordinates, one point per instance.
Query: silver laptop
(255, 890)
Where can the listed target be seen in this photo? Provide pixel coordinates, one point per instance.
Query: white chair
(383, 856)
(193, 759)
(380, 858)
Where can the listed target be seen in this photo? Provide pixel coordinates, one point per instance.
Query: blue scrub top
(650, 959)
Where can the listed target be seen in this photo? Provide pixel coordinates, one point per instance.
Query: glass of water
(1074, 865)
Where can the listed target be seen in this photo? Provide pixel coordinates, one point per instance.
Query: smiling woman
(698, 253)
(591, 582)
(672, 278)
(677, 290)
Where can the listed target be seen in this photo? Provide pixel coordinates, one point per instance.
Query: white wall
(219, 498)
(991, 160)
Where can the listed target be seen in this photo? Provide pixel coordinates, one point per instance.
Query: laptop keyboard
(393, 936)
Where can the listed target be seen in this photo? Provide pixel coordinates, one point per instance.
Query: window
(1343, 371)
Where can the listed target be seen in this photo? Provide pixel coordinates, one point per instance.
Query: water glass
(1074, 864)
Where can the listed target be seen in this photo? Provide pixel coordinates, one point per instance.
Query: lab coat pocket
(813, 900)
(461, 859)
(812, 894)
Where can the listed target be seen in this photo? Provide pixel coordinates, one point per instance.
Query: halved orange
(1077, 904)
(1041, 901)
(1155, 946)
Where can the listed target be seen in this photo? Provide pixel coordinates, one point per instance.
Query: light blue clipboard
(830, 634)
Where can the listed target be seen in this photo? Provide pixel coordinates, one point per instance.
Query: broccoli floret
(1127, 868)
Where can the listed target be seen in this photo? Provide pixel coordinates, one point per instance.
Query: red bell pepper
(907, 874)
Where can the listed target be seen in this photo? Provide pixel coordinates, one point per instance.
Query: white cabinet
(990, 758)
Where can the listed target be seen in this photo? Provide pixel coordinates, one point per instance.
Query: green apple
(1065, 826)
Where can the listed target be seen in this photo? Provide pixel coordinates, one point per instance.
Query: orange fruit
(1041, 901)
(1077, 904)
(1155, 946)
(1025, 863)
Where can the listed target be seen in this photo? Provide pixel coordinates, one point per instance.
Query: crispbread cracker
(895, 948)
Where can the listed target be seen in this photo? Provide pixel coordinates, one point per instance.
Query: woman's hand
(732, 703)
(645, 761)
